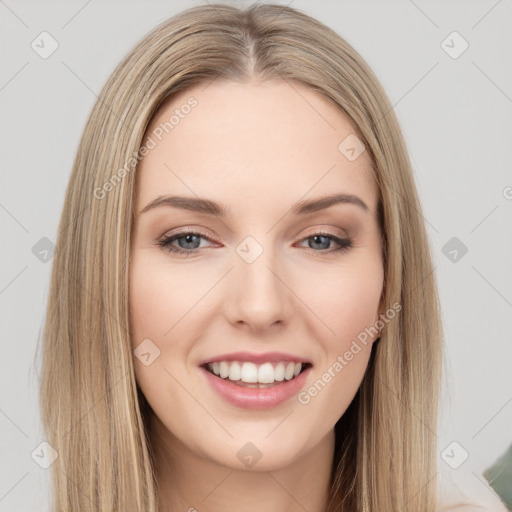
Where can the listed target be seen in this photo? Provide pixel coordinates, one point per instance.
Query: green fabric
(499, 476)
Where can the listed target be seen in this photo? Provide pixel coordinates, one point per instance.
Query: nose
(259, 296)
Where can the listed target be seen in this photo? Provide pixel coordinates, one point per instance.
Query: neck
(190, 482)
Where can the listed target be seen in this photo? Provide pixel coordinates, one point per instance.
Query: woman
(286, 354)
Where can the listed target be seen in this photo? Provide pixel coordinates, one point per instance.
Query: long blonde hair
(93, 413)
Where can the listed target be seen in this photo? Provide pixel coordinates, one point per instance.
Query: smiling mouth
(251, 375)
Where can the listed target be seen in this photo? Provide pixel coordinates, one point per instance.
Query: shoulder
(473, 507)
(461, 492)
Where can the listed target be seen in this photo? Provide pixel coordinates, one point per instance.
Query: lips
(256, 396)
(256, 381)
(266, 357)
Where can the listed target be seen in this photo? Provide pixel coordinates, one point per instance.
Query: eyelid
(338, 232)
(185, 230)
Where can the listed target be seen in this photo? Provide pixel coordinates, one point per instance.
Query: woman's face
(262, 278)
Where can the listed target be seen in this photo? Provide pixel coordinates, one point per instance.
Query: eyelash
(165, 243)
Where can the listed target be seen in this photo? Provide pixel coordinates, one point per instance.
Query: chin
(253, 453)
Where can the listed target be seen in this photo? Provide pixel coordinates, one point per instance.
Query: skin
(257, 148)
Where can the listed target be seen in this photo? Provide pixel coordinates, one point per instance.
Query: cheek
(159, 303)
(347, 302)
(160, 299)
(346, 299)
(357, 305)
(165, 306)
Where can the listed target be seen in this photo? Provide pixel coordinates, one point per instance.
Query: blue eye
(191, 238)
(324, 239)
(192, 241)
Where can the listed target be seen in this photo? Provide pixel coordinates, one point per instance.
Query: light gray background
(456, 118)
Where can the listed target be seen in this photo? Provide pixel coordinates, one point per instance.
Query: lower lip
(256, 398)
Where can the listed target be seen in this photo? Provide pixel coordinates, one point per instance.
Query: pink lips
(270, 357)
(256, 398)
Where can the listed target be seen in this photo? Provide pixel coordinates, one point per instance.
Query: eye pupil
(324, 245)
(189, 239)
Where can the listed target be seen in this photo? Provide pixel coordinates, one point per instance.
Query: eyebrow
(213, 208)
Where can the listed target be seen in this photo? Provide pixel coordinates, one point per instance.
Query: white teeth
(288, 373)
(251, 373)
(279, 372)
(266, 373)
(223, 369)
(234, 371)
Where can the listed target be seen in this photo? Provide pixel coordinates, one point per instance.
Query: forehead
(236, 142)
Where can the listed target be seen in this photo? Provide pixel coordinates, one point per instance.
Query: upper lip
(272, 357)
